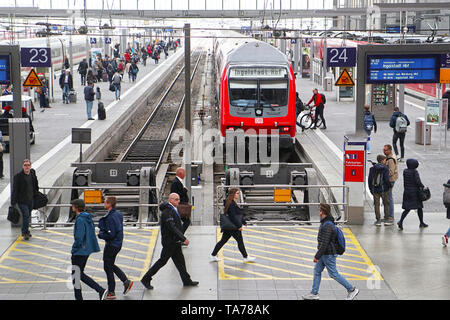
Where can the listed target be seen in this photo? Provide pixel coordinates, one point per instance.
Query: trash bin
(419, 131)
(328, 84)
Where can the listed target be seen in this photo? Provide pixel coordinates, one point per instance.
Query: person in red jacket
(319, 104)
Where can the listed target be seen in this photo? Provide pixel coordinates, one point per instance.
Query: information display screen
(413, 68)
(258, 72)
(5, 69)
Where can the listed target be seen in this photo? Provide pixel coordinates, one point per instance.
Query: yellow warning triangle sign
(32, 80)
(345, 79)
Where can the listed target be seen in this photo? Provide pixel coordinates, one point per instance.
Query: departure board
(5, 70)
(411, 68)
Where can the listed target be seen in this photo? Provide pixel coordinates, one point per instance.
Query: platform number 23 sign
(35, 57)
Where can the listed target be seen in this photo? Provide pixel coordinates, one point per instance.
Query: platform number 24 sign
(341, 57)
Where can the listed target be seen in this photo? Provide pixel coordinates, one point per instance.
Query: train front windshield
(265, 93)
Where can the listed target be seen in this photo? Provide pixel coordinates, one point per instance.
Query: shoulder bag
(13, 215)
(225, 223)
(424, 193)
(185, 210)
(40, 200)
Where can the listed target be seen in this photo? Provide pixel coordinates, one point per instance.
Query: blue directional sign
(108, 40)
(5, 69)
(341, 57)
(410, 68)
(93, 40)
(307, 40)
(293, 41)
(36, 57)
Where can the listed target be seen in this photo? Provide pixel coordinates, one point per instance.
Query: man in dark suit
(171, 239)
(179, 188)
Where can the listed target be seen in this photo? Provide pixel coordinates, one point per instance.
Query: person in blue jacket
(379, 186)
(111, 230)
(237, 218)
(85, 243)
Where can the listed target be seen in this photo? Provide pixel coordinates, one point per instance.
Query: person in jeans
(411, 200)
(111, 230)
(379, 185)
(66, 84)
(171, 239)
(25, 187)
(89, 96)
(116, 80)
(85, 243)
(398, 135)
(392, 164)
(326, 256)
(237, 218)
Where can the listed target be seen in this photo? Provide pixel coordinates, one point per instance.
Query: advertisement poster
(306, 64)
(432, 111)
(354, 166)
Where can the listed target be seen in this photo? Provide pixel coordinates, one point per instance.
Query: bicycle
(308, 118)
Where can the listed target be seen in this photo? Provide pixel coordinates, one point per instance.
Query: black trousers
(401, 136)
(319, 113)
(83, 79)
(78, 265)
(1, 164)
(109, 258)
(169, 251)
(226, 235)
(186, 223)
(419, 214)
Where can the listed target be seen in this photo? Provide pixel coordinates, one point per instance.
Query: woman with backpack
(327, 246)
(237, 218)
(446, 199)
(411, 199)
(369, 124)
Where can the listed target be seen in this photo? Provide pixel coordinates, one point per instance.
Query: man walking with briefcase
(184, 208)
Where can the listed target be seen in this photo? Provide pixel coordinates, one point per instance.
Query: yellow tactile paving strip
(287, 253)
(45, 258)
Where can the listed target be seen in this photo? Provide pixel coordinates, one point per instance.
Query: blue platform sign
(445, 60)
(5, 69)
(108, 40)
(93, 40)
(36, 57)
(341, 57)
(408, 68)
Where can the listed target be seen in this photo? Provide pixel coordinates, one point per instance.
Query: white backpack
(401, 125)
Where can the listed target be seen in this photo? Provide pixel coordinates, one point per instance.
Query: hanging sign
(345, 79)
(32, 80)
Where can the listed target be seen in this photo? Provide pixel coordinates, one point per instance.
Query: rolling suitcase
(101, 111)
(72, 96)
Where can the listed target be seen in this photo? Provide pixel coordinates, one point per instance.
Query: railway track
(151, 142)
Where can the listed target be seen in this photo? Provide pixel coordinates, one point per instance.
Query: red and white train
(255, 87)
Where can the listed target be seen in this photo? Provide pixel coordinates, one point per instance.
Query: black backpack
(324, 99)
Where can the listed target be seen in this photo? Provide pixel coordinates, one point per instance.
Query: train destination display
(416, 68)
(5, 70)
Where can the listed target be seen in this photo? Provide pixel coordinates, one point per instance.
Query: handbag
(13, 215)
(424, 193)
(112, 87)
(40, 200)
(185, 210)
(225, 223)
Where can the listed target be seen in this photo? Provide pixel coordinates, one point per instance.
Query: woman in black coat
(411, 184)
(237, 218)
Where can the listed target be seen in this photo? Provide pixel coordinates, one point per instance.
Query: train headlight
(285, 129)
(258, 112)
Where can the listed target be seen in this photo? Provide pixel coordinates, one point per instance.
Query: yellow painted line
(150, 249)
(3, 257)
(69, 254)
(29, 272)
(301, 233)
(299, 258)
(294, 232)
(137, 235)
(247, 271)
(299, 264)
(280, 235)
(313, 229)
(376, 274)
(273, 268)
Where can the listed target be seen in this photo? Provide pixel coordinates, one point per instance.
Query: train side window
(243, 93)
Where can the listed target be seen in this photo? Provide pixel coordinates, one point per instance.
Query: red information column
(354, 178)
